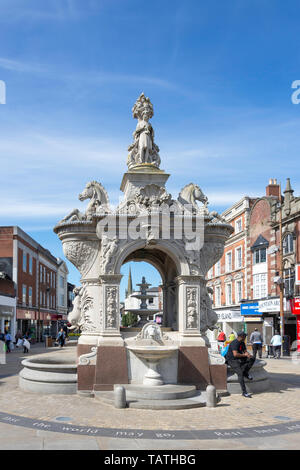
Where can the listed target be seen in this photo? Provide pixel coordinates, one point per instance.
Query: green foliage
(129, 319)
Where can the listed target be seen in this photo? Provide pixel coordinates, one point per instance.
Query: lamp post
(281, 292)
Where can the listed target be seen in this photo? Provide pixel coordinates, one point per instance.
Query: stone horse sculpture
(98, 204)
(190, 194)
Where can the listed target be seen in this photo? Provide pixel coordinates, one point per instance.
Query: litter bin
(48, 341)
(286, 345)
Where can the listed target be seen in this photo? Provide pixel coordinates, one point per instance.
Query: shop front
(295, 309)
(230, 320)
(7, 314)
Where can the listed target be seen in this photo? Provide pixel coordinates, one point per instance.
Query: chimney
(273, 188)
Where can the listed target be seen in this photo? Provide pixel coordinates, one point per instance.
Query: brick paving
(233, 412)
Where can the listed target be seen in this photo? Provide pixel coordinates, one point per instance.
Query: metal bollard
(120, 396)
(211, 396)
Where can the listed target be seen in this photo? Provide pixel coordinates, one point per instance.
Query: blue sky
(218, 73)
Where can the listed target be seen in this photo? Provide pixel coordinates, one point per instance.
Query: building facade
(247, 295)
(34, 273)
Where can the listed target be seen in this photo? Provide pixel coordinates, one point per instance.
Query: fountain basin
(152, 354)
(49, 375)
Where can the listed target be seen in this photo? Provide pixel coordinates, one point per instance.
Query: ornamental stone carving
(80, 317)
(81, 253)
(98, 204)
(111, 297)
(189, 195)
(191, 308)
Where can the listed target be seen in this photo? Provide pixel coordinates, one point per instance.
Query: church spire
(129, 286)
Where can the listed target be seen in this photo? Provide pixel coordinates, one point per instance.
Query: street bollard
(120, 396)
(211, 396)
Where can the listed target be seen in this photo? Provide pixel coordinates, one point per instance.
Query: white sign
(230, 316)
(269, 305)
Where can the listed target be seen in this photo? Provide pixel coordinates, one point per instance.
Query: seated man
(240, 361)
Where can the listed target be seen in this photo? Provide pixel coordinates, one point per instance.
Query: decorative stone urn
(180, 237)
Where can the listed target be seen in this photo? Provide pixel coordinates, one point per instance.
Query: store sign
(295, 306)
(297, 273)
(269, 305)
(230, 316)
(250, 309)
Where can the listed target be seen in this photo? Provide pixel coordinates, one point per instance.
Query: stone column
(90, 307)
(189, 310)
(110, 310)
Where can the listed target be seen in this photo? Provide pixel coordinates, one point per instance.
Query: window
(229, 261)
(24, 262)
(238, 258)
(62, 299)
(218, 268)
(289, 282)
(218, 296)
(30, 264)
(41, 273)
(228, 294)
(61, 282)
(210, 273)
(24, 293)
(41, 298)
(238, 225)
(238, 291)
(288, 244)
(30, 296)
(260, 256)
(260, 288)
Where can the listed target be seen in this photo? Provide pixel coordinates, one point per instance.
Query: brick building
(255, 302)
(34, 273)
(228, 278)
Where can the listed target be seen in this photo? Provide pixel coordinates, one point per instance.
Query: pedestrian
(61, 337)
(257, 342)
(231, 337)
(8, 340)
(2, 336)
(26, 343)
(240, 361)
(221, 339)
(18, 336)
(276, 345)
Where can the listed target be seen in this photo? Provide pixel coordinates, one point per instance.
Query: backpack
(224, 351)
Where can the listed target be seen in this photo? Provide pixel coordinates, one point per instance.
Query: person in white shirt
(276, 344)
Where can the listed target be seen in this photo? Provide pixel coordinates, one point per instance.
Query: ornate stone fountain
(143, 312)
(182, 239)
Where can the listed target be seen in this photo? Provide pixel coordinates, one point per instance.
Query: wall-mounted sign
(297, 274)
(250, 309)
(295, 305)
(269, 305)
(230, 316)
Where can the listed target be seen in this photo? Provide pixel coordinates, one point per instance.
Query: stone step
(163, 392)
(196, 401)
